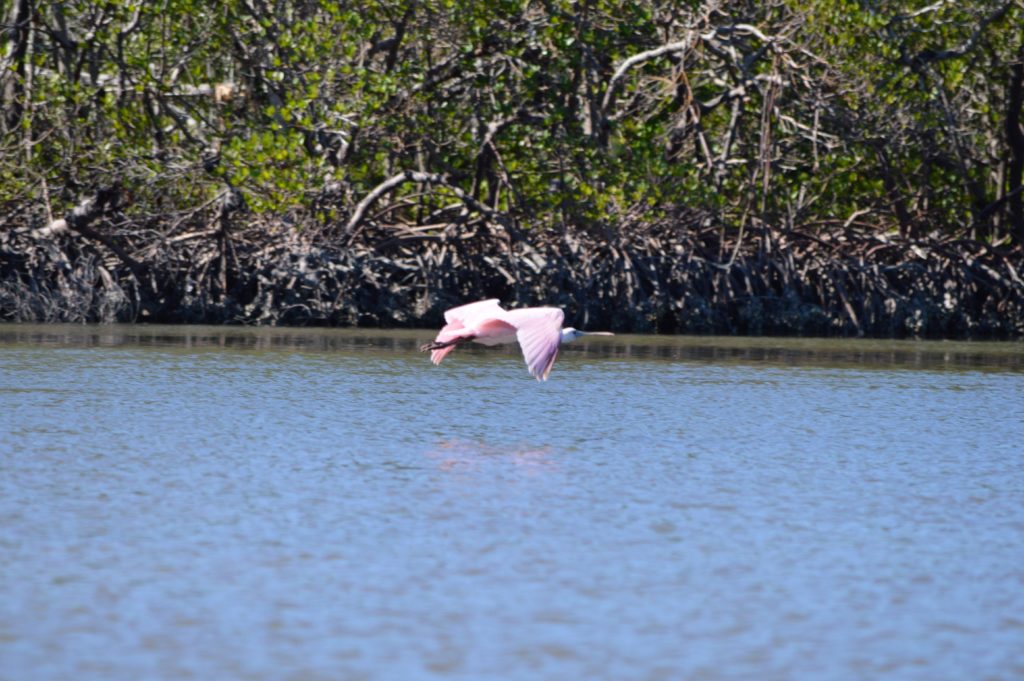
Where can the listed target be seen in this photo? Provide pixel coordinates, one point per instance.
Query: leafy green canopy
(793, 113)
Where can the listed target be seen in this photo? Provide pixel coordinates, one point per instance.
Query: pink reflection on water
(459, 455)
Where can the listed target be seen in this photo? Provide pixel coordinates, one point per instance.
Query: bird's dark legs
(436, 345)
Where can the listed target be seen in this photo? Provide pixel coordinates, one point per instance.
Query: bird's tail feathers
(437, 355)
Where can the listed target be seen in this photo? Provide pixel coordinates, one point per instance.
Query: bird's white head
(570, 334)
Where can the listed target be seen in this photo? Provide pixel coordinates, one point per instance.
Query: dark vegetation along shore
(790, 167)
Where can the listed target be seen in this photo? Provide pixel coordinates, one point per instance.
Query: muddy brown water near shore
(271, 503)
(771, 351)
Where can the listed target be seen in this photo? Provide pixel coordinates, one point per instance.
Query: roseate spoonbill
(538, 330)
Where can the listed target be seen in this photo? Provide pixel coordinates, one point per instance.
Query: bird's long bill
(598, 333)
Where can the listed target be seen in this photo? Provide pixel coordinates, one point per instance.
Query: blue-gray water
(206, 503)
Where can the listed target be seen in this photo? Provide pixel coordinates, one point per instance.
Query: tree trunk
(1015, 141)
(892, 189)
(16, 33)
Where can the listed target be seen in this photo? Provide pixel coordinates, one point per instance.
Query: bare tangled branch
(403, 177)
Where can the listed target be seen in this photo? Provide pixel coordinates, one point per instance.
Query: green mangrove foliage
(810, 114)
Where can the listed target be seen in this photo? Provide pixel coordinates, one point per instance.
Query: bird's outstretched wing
(481, 308)
(539, 331)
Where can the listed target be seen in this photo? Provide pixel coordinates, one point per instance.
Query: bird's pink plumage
(538, 330)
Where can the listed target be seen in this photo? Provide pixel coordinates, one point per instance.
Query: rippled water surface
(232, 504)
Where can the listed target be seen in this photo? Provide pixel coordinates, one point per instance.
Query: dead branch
(80, 218)
(413, 176)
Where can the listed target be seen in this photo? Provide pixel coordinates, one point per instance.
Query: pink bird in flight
(538, 330)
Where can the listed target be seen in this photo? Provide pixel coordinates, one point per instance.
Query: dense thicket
(204, 144)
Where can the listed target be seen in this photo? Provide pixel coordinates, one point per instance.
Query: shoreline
(668, 277)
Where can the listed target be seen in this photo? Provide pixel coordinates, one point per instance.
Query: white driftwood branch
(412, 176)
(640, 58)
(56, 227)
(85, 212)
(224, 91)
(669, 48)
